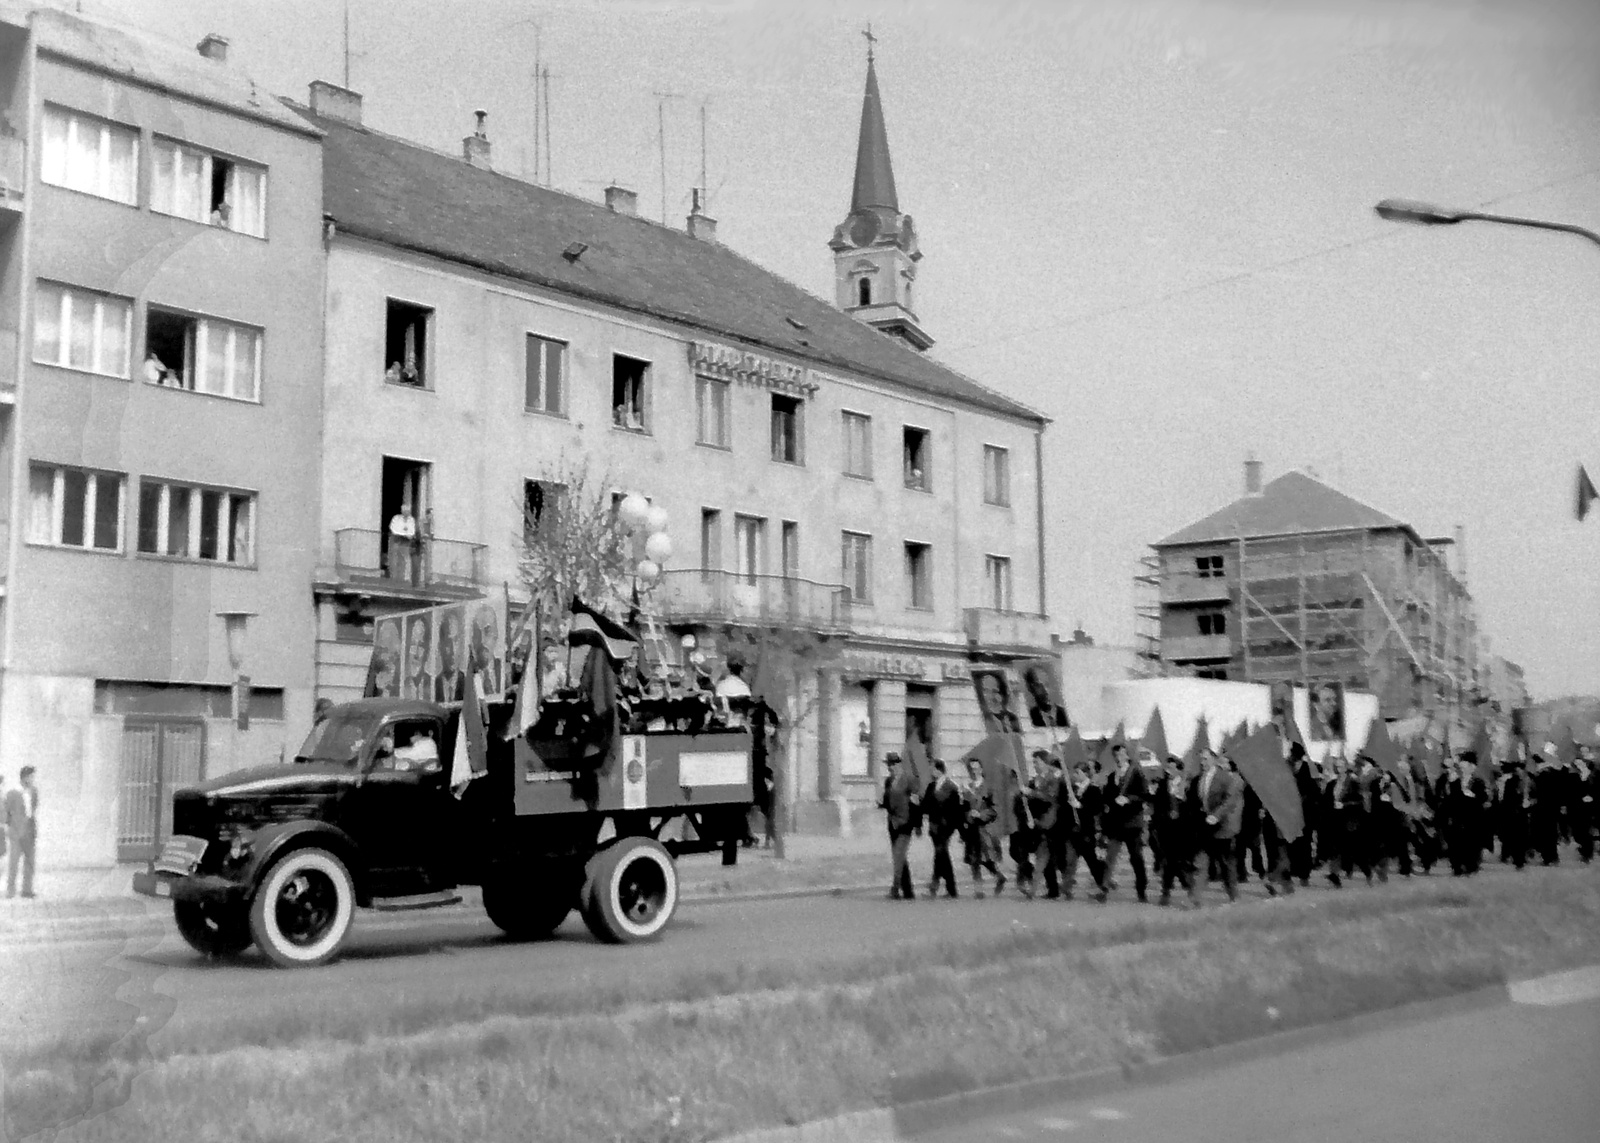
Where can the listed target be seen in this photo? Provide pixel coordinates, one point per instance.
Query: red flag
(1155, 737)
(1192, 762)
(471, 755)
(1567, 743)
(1259, 758)
(1586, 493)
(995, 754)
(1381, 748)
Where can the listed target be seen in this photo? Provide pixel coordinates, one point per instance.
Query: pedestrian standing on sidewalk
(979, 836)
(945, 811)
(899, 803)
(22, 826)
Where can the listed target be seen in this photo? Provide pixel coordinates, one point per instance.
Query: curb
(920, 1117)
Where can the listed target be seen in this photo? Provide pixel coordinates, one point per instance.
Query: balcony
(1196, 648)
(13, 172)
(696, 595)
(1017, 632)
(366, 557)
(1187, 587)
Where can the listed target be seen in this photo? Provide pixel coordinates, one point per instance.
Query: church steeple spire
(875, 251)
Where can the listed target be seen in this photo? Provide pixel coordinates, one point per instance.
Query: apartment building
(160, 412)
(818, 469)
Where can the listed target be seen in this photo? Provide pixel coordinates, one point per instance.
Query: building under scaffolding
(1298, 582)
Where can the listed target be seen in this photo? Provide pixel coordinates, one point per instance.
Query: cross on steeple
(871, 39)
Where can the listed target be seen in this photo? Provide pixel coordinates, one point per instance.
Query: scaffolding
(1147, 617)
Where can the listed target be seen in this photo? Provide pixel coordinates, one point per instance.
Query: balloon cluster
(647, 521)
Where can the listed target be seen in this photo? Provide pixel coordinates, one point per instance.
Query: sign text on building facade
(726, 363)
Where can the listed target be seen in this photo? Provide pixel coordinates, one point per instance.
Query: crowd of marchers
(1178, 822)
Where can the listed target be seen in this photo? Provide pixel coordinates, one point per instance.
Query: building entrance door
(159, 755)
(405, 484)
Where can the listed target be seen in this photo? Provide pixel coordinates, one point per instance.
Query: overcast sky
(1152, 221)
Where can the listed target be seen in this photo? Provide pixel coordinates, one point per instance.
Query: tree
(573, 542)
(782, 665)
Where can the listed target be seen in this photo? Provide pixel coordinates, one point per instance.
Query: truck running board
(415, 901)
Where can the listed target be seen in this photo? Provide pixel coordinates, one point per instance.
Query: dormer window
(864, 291)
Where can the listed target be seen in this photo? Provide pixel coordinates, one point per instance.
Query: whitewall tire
(632, 891)
(303, 908)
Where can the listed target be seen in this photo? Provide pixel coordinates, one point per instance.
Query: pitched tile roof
(137, 56)
(399, 193)
(1294, 502)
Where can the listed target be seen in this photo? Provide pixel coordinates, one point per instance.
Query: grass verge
(716, 1052)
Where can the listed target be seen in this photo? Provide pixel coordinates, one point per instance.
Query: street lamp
(1426, 214)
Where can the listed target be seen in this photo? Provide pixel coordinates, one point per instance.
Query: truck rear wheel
(632, 891)
(525, 909)
(213, 930)
(303, 908)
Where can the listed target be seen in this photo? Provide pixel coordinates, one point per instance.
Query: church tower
(875, 251)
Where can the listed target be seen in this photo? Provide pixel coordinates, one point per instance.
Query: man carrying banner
(1080, 817)
(1125, 793)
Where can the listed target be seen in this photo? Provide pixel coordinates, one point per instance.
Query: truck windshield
(338, 738)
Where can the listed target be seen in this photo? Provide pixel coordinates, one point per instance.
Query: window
(858, 445)
(997, 581)
(857, 568)
(81, 330)
(630, 394)
(90, 155)
(405, 344)
(1212, 623)
(203, 355)
(74, 508)
(710, 539)
(791, 549)
(544, 388)
(864, 291)
(1208, 567)
(1212, 673)
(711, 411)
(212, 524)
(749, 540)
(541, 504)
(919, 576)
(996, 475)
(786, 430)
(916, 459)
(202, 187)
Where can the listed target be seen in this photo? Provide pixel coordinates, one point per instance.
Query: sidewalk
(82, 901)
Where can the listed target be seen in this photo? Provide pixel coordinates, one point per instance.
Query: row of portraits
(427, 654)
(1020, 696)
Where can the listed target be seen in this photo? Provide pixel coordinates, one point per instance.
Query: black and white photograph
(767, 571)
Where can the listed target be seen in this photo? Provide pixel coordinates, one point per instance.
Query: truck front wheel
(303, 908)
(526, 909)
(213, 930)
(632, 891)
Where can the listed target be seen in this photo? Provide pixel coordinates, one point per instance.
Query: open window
(787, 430)
(630, 394)
(918, 452)
(406, 344)
(203, 355)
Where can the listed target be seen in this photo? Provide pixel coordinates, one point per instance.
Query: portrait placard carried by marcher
(993, 689)
(1041, 691)
(1327, 712)
(426, 654)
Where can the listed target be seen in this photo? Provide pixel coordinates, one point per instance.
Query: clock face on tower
(863, 229)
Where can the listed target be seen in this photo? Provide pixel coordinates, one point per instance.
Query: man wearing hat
(900, 805)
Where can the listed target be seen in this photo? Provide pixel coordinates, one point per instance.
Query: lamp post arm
(1538, 224)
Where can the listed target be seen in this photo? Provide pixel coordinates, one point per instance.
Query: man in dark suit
(1044, 800)
(1219, 796)
(899, 802)
(1516, 802)
(1124, 794)
(945, 811)
(1585, 800)
(22, 826)
(1173, 821)
(1549, 797)
(1302, 850)
(1078, 818)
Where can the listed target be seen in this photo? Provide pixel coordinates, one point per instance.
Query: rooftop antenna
(546, 124)
(347, 45)
(536, 106)
(703, 187)
(661, 128)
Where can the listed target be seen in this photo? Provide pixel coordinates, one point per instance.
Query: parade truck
(575, 811)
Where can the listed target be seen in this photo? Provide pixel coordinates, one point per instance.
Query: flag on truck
(471, 755)
(591, 628)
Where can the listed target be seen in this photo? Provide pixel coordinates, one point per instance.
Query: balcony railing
(1188, 587)
(697, 595)
(371, 556)
(1020, 631)
(1191, 648)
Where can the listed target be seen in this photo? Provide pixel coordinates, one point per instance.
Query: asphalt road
(1506, 1074)
(148, 983)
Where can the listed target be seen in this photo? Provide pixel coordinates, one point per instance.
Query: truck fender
(271, 842)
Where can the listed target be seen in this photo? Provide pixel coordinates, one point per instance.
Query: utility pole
(661, 129)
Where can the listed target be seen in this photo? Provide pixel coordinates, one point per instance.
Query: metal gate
(159, 755)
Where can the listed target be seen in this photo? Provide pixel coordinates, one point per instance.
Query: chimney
(621, 200)
(213, 47)
(1252, 476)
(475, 147)
(333, 102)
(701, 225)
